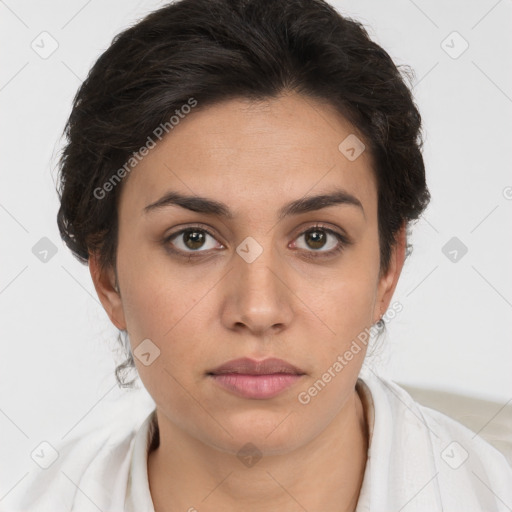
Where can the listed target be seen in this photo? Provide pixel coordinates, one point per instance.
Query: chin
(265, 435)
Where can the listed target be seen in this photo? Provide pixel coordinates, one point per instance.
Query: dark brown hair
(216, 50)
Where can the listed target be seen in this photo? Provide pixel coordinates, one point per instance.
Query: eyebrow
(212, 207)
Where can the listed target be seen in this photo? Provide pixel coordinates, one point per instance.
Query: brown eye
(319, 238)
(191, 240)
(315, 239)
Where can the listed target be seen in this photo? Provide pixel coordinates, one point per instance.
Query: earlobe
(104, 281)
(389, 281)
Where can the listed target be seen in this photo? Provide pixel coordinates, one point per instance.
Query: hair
(217, 50)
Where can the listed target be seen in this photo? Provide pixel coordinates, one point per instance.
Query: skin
(254, 157)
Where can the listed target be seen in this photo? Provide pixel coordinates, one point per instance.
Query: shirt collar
(138, 496)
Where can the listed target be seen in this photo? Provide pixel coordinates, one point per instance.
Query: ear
(105, 283)
(388, 281)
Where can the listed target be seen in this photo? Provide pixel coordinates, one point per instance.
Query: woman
(239, 177)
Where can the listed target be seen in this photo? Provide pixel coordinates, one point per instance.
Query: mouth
(252, 379)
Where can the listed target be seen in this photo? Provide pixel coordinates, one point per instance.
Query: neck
(326, 474)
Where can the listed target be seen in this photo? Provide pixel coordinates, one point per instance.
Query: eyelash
(343, 242)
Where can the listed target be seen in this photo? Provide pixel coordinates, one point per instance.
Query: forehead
(254, 154)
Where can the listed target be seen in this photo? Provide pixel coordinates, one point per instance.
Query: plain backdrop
(455, 331)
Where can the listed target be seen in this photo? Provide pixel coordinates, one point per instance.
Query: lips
(246, 366)
(256, 380)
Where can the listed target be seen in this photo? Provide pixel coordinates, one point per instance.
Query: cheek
(154, 295)
(345, 318)
(163, 304)
(159, 312)
(345, 307)
(161, 308)
(344, 300)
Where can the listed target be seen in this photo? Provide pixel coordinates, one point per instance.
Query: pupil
(195, 237)
(317, 239)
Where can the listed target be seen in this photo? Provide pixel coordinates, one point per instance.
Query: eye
(190, 240)
(319, 239)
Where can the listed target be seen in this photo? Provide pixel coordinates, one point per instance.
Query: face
(206, 288)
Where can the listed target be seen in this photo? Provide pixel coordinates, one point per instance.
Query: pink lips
(256, 379)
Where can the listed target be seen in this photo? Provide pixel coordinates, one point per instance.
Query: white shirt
(419, 460)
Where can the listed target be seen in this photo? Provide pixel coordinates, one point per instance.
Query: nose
(258, 298)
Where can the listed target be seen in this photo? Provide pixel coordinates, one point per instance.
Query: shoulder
(425, 447)
(90, 468)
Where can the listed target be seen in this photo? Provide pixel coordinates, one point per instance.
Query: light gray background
(454, 333)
